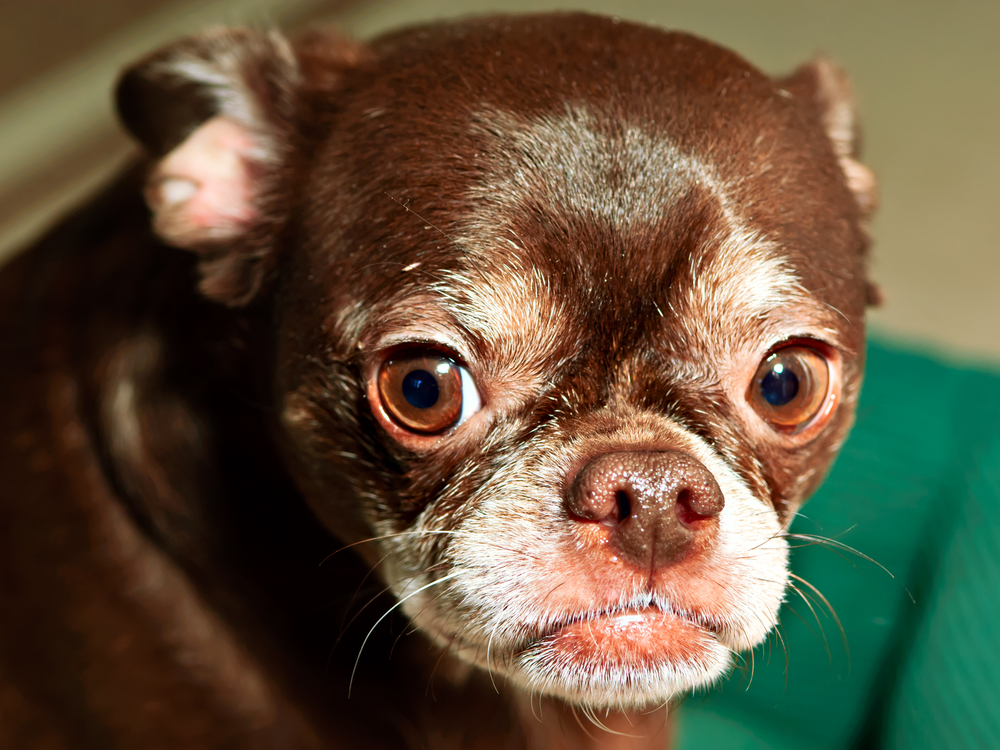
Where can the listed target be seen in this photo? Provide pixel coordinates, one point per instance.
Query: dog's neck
(554, 725)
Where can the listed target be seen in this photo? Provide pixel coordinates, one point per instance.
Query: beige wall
(928, 81)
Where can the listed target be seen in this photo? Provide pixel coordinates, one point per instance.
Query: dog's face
(569, 320)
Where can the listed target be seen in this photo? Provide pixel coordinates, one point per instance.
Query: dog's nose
(654, 505)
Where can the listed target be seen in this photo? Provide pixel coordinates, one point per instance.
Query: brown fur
(611, 223)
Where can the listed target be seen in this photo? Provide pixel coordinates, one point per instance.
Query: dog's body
(594, 236)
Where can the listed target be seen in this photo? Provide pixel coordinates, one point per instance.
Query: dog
(554, 321)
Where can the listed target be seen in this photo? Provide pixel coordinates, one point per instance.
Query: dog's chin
(629, 658)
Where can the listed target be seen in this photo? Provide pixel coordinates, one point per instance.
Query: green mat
(917, 489)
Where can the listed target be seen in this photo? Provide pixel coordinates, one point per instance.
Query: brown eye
(790, 387)
(426, 391)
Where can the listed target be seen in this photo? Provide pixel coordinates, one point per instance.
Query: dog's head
(568, 318)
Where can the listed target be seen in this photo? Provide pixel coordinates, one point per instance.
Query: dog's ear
(827, 88)
(828, 91)
(222, 113)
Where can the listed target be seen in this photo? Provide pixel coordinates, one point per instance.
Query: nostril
(688, 507)
(624, 505)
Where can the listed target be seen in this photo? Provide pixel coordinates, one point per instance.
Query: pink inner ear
(202, 190)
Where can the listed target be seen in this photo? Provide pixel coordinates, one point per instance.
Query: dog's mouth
(622, 657)
(649, 627)
(625, 638)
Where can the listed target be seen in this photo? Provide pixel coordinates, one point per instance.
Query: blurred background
(927, 76)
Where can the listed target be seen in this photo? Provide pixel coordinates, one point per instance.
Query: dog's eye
(791, 387)
(426, 391)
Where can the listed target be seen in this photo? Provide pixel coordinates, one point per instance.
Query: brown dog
(556, 320)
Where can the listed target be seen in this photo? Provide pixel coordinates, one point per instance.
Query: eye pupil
(779, 386)
(420, 389)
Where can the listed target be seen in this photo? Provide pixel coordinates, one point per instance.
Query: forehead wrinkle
(609, 169)
(744, 297)
(744, 276)
(509, 307)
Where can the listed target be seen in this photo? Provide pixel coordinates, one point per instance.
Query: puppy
(555, 321)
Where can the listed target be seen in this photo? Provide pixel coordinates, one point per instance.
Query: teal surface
(917, 489)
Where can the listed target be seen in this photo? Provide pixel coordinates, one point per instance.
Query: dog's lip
(638, 640)
(622, 620)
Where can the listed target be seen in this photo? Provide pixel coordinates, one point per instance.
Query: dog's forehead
(624, 174)
(581, 223)
(624, 179)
